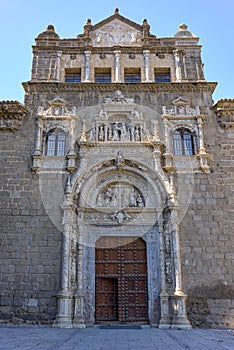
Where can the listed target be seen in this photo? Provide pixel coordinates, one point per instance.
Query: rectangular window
(61, 145)
(51, 143)
(73, 75)
(177, 141)
(102, 75)
(132, 75)
(162, 75)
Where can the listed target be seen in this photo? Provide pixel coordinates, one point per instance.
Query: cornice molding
(33, 87)
(11, 115)
(224, 109)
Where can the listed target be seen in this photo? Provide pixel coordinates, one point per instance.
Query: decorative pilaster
(167, 156)
(59, 54)
(117, 66)
(177, 65)
(202, 154)
(87, 66)
(65, 297)
(164, 322)
(79, 321)
(179, 320)
(37, 155)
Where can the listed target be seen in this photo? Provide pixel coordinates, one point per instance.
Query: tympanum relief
(120, 195)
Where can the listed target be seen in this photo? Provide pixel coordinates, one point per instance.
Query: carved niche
(117, 121)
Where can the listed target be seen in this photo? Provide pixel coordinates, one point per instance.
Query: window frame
(55, 143)
(74, 74)
(164, 75)
(133, 74)
(103, 74)
(184, 142)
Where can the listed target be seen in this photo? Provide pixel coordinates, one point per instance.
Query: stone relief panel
(120, 195)
(57, 107)
(116, 32)
(181, 107)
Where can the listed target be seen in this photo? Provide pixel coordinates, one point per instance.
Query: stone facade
(118, 137)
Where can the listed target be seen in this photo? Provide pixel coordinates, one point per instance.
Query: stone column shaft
(87, 66)
(78, 321)
(146, 63)
(117, 66)
(64, 313)
(177, 66)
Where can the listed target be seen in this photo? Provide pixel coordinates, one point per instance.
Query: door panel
(106, 299)
(121, 280)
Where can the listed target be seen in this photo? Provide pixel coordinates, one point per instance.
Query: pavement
(109, 338)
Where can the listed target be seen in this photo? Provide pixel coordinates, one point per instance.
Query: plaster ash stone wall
(30, 244)
(207, 239)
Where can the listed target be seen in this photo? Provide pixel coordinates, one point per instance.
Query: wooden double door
(121, 294)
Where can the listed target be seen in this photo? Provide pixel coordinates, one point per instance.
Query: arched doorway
(121, 292)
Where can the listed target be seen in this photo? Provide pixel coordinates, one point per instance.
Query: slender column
(185, 68)
(59, 54)
(168, 166)
(177, 65)
(146, 61)
(34, 75)
(87, 66)
(164, 322)
(78, 321)
(203, 156)
(38, 147)
(64, 313)
(201, 135)
(117, 66)
(36, 157)
(180, 320)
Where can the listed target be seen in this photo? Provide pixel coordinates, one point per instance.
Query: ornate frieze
(11, 115)
(176, 88)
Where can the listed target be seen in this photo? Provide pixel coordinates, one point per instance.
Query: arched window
(183, 142)
(56, 143)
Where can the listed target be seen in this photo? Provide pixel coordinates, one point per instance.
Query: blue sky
(22, 20)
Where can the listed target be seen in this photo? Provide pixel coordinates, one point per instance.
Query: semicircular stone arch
(145, 184)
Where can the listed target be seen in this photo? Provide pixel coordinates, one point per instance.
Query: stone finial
(182, 27)
(87, 27)
(116, 12)
(49, 33)
(146, 28)
(50, 28)
(183, 32)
